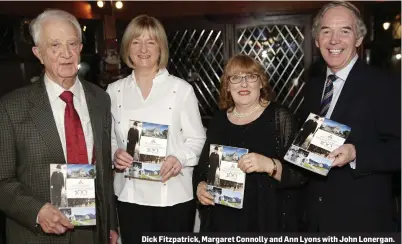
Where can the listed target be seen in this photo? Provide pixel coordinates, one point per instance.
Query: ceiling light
(386, 25)
(100, 3)
(119, 4)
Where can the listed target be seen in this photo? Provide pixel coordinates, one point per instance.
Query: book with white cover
(317, 138)
(147, 144)
(72, 190)
(225, 179)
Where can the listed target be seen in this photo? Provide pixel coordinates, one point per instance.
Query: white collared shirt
(58, 107)
(172, 102)
(341, 77)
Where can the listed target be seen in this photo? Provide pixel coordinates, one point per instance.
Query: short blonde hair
(243, 64)
(135, 28)
(361, 29)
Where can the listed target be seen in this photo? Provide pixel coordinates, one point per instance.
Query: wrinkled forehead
(55, 28)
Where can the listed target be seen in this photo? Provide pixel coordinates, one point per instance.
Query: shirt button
(123, 140)
(174, 91)
(170, 108)
(119, 106)
(320, 199)
(164, 184)
(118, 122)
(118, 91)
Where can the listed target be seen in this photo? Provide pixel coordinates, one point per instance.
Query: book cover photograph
(225, 179)
(147, 144)
(72, 190)
(317, 138)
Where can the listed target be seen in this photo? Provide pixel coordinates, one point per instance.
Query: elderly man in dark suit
(59, 119)
(309, 127)
(132, 138)
(57, 184)
(214, 163)
(356, 196)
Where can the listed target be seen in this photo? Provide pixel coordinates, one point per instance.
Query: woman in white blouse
(151, 94)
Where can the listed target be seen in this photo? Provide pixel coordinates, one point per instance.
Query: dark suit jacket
(309, 127)
(133, 137)
(29, 143)
(358, 199)
(213, 165)
(57, 180)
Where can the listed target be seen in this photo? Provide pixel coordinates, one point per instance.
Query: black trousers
(137, 219)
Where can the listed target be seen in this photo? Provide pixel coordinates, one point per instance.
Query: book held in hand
(147, 144)
(72, 190)
(316, 139)
(225, 179)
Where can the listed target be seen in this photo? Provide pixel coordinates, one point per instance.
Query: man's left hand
(171, 167)
(114, 237)
(343, 155)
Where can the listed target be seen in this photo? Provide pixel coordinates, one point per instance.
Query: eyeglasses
(249, 78)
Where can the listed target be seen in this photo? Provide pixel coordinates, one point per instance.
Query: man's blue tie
(327, 98)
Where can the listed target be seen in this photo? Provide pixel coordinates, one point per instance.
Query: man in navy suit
(356, 196)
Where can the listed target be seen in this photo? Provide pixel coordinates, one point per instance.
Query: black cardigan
(285, 193)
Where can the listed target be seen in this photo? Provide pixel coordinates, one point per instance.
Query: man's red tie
(75, 139)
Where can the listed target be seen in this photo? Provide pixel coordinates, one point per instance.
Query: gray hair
(36, 25)
(360, 26)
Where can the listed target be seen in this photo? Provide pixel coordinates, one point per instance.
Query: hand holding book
(122, 159)
(343, 155)
(171, 167)
(203, 195)
(254, 162)
(52, 220)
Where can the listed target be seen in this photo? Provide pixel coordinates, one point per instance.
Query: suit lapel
(314, 94)
(42, 116)
(349, 89)
(95, 114)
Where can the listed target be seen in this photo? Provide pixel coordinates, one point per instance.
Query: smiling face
(245, 93)
(59, 50)
(145, 52)
(337, 37)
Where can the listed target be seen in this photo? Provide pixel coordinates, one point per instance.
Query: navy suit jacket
(358, 199)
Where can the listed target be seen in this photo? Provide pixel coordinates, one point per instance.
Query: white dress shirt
(58, 107)
(172, 102)
(338, 84)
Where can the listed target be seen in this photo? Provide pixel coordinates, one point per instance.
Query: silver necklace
(243, 115)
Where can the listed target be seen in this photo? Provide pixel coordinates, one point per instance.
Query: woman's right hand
(122, 159)
(203, 196)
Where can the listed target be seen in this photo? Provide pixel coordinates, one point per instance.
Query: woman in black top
(248, 119)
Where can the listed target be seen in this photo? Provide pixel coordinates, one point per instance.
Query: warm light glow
(84, 28)
(100, 3)
(386, 25)
(119, 4)
(264, 54)
(398, 56)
